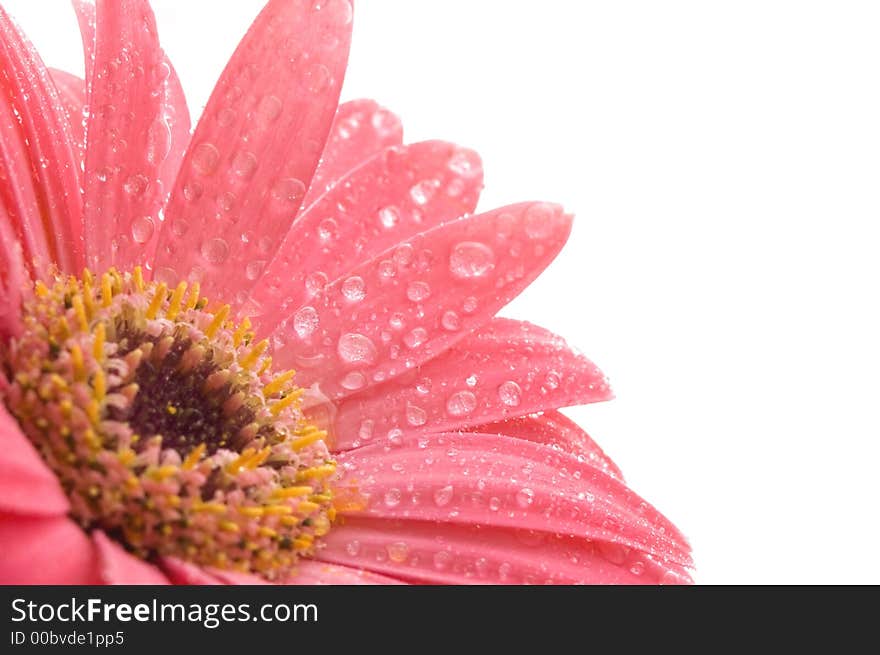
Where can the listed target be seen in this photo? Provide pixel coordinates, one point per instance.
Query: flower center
(165, 425)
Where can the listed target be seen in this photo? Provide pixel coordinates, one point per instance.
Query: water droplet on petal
(510, 393)
(418, 291)
(450, 321)
(142, 229)
(356, 349)
(353, 381)
(289, 190)
(397, 551)
(254, 269)
(443, 495)
(422, 192)
(389, 217)
(205, 158)
(316, 282)
(353, 288)
(268, 109)
(465, 162)
(416, 337)
(305, 321)
(353, 547)
(461, 403)
(365, 432)
(471, 259)
(551, 380)
(392, 497)
(415, 415)
(494, 503)
(469, 306)
(215, 251)
(244, 164)
(525, 497)
(540, 220)
(136, 184)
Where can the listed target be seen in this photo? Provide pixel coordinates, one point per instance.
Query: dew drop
(327, 229)
(471, 259)
(158, 142)
(416, 337)
(365, 432)
(415, 415)
(397, 321)
(254, 269)
(525, 497)
(397, 551)
(471, 380)
(395, 437)
(318, 78)
(418, 291)
(289, 190)
(637, 568)
(244, 164)
(392, 497)
(469, 306)
(268, 109)
(142, 229)
(356, 349)
(353, 547)
(403, 254)
(465, 162)
(205, 158)
(389, 217)
(136, 184)
(450, 321)
(384, 122)
(193, 191)
(510, 393)
(386, 269)
(215, 251)
(461, 403)
(316, 282)
(353, 288)
(494, 503)
(443, 495)
(422, 192)
(354, 381)
(551, 380)
(540, 220)
(305, 321)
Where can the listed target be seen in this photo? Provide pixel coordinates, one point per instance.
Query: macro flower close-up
(263, 346)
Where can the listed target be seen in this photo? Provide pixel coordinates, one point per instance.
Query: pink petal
(27, 485)
(257, 145)
(553, 429)
(449, 553)
(13, 277)
(184, 573)
(370, 210)
(361, 128)
(45, 550)
(418, 298)
(72, 93)
(116, 566)
(137, 130)
(506, 368)
(504, 482)
(85, 17)
(41, 192)
(310, 572)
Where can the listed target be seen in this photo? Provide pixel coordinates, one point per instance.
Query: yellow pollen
(284, 403)
(138, 275)
(193, 298)
(99, 384)
(314, 472)
(76, 358)
(291, 492)
(307, 507)
(241, 331)
(309, 439)
(228, 526)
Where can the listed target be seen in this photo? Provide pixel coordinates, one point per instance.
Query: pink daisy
(267, 350)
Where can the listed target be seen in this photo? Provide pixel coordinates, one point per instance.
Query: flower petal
(45, 550)
(137, 130)
(361, 128)
(27, 485)
(506, 368)
(369, 210)
(449, 553)
(553, 429)
(311, 572)
(41, 190)
(72, 93)
(505, 482)
(13, 277)
(116, 566)
(184, 573)
(457, 274)
(257, 145)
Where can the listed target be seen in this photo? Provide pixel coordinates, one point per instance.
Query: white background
(723, 160)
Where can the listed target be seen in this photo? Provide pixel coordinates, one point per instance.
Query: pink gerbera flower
(159, 289)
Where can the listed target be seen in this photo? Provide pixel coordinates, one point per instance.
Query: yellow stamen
(291, 492)
(217, 323)
(193, 298)
(324, 471)
(307, 507)
(227, 526)
(80, 312)
(76, 359)
(138, 276)
(250, 359)
(287, 401)
(106, 290)
(194, 457)
(100, 339)
(278, 383)
(158, 299)
(241, 331)
(308, 440)
(99, 384)
(176, 300)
